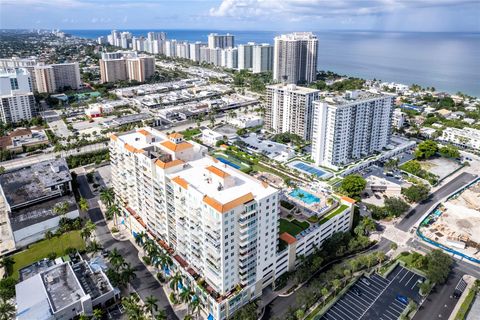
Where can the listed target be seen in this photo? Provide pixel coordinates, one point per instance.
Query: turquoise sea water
(447, 61)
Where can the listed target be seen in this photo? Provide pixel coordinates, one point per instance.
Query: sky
(268, 15)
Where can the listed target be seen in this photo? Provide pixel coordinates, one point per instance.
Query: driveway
(145, 284)
(413, 215)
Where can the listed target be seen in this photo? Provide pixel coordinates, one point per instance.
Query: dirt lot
(441, 167)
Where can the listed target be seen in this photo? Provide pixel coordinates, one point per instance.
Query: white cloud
(295, 9)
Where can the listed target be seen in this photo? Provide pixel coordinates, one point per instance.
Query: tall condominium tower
(221, 41)
(290, 109)
(195, 51)
(262, 58)
(245, 53)
(16, 98)
(218, 223)
(350, 127)
(126, 65)
(295, 58)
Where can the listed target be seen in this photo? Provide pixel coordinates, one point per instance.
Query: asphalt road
(145, 284)
(413, 215)
(279, 306)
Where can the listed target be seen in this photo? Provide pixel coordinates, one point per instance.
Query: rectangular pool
(304, 196)
(231, 164)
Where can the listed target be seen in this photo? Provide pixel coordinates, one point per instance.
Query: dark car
(357, 291)
(365, 281)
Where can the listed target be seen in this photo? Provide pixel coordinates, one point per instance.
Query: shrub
(173, 298)
(147, 260)
(160, 277)
(52, 255)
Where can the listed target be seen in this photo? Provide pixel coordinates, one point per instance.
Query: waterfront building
(295, 58)
(221, 41)
(245, 53)
(229, 58)
(350, 127)
(195, 51)
(126, 65)
(262, 58)
(290, 109)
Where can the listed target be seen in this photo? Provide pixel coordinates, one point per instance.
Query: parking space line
(394, 315)
(411, 277)
(381, 279)
(348, 294)
(376, 285)
(368, 295)
(345, 316)
(398, 304)
(393, 306)
(335, 315)
(397, 272)
(349, 310)
(415, 284)
(388, 317)
(370, 290)
(406, 273)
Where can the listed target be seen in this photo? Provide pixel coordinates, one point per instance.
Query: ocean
(447, 61)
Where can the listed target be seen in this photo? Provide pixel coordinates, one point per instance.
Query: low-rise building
(465, 138)
(63, 291)
(398, 119)
(22, 138)
(246, 121)
(211, 137)
(99, 110)
(29, 196)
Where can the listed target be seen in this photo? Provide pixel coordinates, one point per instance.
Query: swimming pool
(304, 196)
(231, 164)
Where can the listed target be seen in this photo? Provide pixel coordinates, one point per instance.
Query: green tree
(7, 264)
(416, 193)
(161, 315)
(115, 258)
(324, 291)
(353, 185)
(94, 247)
(7, 310)
(396, 206)
(426, 149)
(7, 288)
(449, 152)
(83, 204)
(175, 280)
(97, 313)
(336, 285)
(151, 305)
(107, 196)
(61, 208)
(438, 266)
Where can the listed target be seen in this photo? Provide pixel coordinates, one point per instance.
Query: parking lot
(375, 297)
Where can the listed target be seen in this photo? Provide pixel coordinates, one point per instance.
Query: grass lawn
(40, 250)
(189, 133)
(293, 227)
(334, 213)
(465, 307)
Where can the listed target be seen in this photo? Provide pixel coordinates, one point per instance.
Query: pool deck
(316, 208)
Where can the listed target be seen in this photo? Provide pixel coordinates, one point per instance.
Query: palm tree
(97, 314)
(132, 307)
(336, 284)
(94, 247)
(83, 316)
(165, 260)
(61, 208)
(48, 235)
(107, 196)
(140, 238)
(115, 258)
(90, 226)
(186, 297)
(151, 305)
(324, 293)
(195, 305)
(128, 274)
(85, 233)
(7, 310)
(113, 211)
(7, 264)
(381, 256)
(175, 280)
(161, 315)
(83, 204)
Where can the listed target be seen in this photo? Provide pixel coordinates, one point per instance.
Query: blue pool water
(305, 167)
(307, 197)
(231, 164)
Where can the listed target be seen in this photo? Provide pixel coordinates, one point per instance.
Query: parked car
(365, 281)
(402, 299)
(357, 291)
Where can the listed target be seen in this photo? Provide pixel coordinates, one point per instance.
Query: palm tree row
(121, 273)
(107, 196)
(158, 257)
(149, 310)
(186, 295)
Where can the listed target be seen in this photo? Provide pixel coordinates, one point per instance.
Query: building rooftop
(350, 97)
(93, 283)
(28, 184)
(62, 286)
(27, 216)
(293, 88)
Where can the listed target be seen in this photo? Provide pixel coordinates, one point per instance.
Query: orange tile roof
(222, 208)
(144, 132)
(181, 182)
(132, 148)
(176, 146)
(217, 171)
(113, 137)
(165, 165)
(288, 238)
(347, 199)
(175, 135)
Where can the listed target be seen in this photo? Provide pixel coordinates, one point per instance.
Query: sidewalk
(470, 282)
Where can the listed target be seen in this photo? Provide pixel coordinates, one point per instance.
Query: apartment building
(290, 109)
(245, 56)
(218, 223)
(295, 58)
(350, 127)
(195, 51)
(229, 58)
(45, 79)
(221, 41)
(67, 75)
(465, 138)
(126, 65)
(17, 102)
(262, 58)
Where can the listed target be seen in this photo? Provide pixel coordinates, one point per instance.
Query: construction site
(456, 223)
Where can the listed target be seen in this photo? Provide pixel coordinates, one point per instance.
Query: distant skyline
(272, 15)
